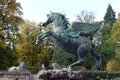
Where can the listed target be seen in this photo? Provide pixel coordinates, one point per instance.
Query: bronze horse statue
(70, 41)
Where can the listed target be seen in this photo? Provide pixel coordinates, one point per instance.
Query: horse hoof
(99, 66)
(37, 42)
(69, 68)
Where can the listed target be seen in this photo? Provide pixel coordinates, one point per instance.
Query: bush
(112, 66)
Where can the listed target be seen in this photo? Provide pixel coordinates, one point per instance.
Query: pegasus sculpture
(72, 38)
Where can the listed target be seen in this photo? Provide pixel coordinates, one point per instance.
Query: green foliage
(107, 51)
(106, 30)
(107, 48)
(8, 57)
(90, 62)
(61, 57)
(117, 55)
(109, 15)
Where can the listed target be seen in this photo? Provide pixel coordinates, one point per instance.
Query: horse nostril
(43, 24)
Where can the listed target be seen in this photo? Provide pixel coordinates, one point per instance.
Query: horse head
(59, 21)
(49, 20)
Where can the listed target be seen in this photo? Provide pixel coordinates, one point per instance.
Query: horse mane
(64, 20)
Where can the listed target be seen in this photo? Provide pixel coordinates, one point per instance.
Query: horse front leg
(40, 37)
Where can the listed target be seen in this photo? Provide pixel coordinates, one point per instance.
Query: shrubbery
(112, 66)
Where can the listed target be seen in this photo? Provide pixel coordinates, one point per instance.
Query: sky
(36, 10)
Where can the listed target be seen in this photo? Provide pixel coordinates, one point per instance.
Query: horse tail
(93, 52)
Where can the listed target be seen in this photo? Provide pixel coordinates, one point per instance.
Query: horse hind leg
(79, 61)
(98, 58)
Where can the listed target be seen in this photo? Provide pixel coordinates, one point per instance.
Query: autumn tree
(10, 17)
(86, 17)
(115, 36)
(34, 55)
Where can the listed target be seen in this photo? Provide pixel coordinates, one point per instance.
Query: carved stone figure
(20, 68)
